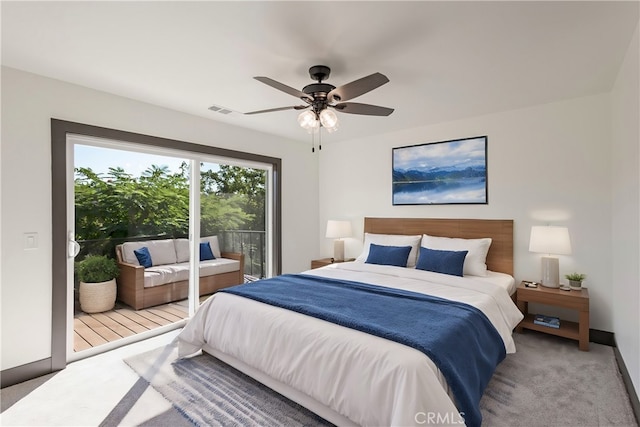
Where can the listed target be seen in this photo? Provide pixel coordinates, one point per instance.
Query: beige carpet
(548, 382)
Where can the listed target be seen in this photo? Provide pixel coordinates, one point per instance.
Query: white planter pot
(98, 297)
(575, 286)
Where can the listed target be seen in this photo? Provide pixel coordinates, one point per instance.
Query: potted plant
(575, 280)
(97, 274)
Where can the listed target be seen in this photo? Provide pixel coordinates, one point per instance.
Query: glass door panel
(131, 213)
(132, 205)
(233, 205)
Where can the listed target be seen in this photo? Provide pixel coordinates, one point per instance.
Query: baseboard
(602, 337)
(608, 338)
(26, 372)
(633, 396)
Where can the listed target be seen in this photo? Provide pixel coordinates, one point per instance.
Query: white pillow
(162, 251)
(391, 240)
(213, 242)
(182, 250)
(474, 262)
(127, 252)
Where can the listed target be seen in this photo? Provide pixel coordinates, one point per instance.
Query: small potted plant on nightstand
(575, 280)
(97, 274)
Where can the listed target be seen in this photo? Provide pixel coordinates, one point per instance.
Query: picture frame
(441, 173)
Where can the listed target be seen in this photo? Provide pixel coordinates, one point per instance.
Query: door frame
(59, 131)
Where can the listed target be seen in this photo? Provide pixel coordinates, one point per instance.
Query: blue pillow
(445, 262)
(388, 255)
(144, 257)
(206, 252)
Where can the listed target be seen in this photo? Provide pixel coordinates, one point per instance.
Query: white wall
(625, 281)
(28, 104)
(546, 164)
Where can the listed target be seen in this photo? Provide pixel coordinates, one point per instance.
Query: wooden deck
(91, 330)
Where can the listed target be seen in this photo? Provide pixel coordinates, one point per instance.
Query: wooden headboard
(500, 256)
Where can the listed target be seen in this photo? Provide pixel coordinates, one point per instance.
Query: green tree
(220, 213)
(239, 181)
(119, 205)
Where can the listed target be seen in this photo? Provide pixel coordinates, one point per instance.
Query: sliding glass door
(136, 207)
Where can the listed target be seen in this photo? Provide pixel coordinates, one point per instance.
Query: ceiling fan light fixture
(329, 120)
(320, 95)
(307, 120)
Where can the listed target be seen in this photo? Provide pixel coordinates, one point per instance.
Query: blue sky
(100, 159)
(469, 152)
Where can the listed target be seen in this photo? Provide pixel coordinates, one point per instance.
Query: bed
(350, 377)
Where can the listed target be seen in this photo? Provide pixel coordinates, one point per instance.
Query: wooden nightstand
(575, 300)
(317, 263)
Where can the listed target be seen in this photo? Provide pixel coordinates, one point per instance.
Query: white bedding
(367, 379)
(505, 281)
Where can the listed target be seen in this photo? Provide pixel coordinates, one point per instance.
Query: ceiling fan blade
(366, 109)
(270, 110)
(357, 87)
(284, 88)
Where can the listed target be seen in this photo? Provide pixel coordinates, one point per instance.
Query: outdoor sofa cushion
(170, 260)
(160, 275)
(162, 251)
(166, 251)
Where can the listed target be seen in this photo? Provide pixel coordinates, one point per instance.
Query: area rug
(209, 392)
(548, 382)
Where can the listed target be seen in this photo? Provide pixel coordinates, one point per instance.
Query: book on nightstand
(550, 321)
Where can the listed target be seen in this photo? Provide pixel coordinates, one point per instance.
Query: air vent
(221, 110)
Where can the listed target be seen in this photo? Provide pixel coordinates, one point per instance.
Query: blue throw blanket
(457, 337)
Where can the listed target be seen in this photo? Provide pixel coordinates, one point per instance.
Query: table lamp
(550, 240)
(338, 230)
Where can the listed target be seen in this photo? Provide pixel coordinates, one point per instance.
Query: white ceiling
(445, 60)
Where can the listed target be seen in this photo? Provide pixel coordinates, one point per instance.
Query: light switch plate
(30, 241)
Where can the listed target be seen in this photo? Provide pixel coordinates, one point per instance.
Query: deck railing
(251, 243)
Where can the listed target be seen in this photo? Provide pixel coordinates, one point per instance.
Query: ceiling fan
(319, 97)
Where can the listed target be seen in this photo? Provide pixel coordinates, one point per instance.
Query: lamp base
(338, 250)
(550, 272)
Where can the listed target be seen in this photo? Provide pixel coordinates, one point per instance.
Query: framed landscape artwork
(441, 173)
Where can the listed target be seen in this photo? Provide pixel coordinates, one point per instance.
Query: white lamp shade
(550, 240)
(338, 229)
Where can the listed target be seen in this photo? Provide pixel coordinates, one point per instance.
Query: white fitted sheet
(501, 279)
(366, 379)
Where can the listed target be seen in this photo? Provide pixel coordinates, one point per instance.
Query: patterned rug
(548, 382)
(209, 392)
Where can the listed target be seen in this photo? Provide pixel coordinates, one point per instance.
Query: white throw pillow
(127, 252)
(474, 262)
(162, 251)
(391, 240)
(182, 250)
(215, 246)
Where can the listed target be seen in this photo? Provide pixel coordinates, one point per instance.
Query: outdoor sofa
(166, 276)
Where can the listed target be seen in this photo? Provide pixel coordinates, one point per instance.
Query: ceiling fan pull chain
(320, 138)
(313, 145)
